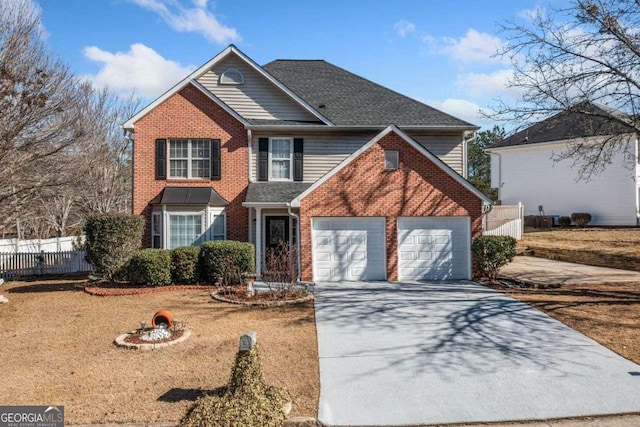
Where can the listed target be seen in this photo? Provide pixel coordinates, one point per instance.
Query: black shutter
(297, 159)
(263, 159)
(161, 159)
(215, 159)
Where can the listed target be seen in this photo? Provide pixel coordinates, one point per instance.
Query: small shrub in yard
(280, 270)
(489, 253)
(564, 221)
(226, 262)
(111, 239)
(246, 401)
(150, 267)
(184, 265)
(581, 218)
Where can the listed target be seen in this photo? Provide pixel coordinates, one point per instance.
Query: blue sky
(436, 51)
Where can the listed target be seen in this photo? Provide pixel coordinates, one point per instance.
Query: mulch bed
(238, 295)
(118, 289)
(135, 338)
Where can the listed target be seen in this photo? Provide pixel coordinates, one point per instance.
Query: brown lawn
(57, 348)
(623, 241)
(608, 313)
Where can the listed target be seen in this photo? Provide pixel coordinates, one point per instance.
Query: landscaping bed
(58, 349)
(605, 247)
(609, 313)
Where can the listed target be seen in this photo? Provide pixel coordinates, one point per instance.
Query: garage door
(434, 248)
(349, 249)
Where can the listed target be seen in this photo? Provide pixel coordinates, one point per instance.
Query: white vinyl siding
(322, 152)
(256, 98)
(530, 175)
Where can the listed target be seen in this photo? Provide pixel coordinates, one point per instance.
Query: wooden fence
(507, 220)
(39, 263)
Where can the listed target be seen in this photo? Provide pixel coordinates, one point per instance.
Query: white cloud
(531, 14)
(404, 28)
(476, 85)
(463, 109)
(474, 46)
(141, 69)
(196, 19)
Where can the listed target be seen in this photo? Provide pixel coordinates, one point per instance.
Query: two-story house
(368, 184)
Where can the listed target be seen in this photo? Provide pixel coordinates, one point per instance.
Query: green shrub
(581, 218)
(489, 253)
(111, 239)
(226, 262)
(245, 401)
(564, 221)
(150, 267)
(184, 264)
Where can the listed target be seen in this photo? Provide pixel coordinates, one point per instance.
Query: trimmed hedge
(581, 218)
(111, 239)
(489, 253)
(150, 267)
(226, 262)
(564, 221)
(184, 265)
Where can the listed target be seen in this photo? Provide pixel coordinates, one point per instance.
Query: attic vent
(231, 77)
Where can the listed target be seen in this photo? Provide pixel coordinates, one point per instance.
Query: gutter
(353, 128)
(297, 218)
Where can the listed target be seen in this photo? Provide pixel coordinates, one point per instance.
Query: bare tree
(584, 59)
(40, 109)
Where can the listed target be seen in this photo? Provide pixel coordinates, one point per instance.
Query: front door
(277, 231)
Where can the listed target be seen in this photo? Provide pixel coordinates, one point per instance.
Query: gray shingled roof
(189, 196)
(268, 122)
(581, 121)
(274, 192)
(350, 100)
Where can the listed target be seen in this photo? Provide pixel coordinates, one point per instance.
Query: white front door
(434, 248)
(352, 248)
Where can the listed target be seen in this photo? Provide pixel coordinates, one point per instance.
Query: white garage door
(349, 249)
(434, 248)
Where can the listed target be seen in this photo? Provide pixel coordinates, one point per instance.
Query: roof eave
(358, 127)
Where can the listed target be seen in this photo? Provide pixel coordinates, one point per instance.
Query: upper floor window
(189, 158)
(391, 160)
(231, 77)
(280, 158)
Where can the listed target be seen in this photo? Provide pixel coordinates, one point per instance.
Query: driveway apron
(453, 352)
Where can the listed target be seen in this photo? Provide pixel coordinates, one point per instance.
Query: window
(391, 160)
(189, 158)
(156, 230)
(185, 230)
(281, 156)
(218, 227)
(231, 77)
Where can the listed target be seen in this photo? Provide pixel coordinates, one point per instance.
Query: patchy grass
(57, 348)
(608, 313)
(622, 241)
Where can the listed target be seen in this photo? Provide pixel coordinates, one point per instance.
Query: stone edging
(216, 296)
(116, 292)
(120, 342)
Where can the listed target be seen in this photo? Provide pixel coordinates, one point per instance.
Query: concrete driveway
(430, 353)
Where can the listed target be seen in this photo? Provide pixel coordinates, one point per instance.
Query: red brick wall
(190, 114)
(365, 188)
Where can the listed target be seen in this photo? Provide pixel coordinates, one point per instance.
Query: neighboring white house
(523, 169)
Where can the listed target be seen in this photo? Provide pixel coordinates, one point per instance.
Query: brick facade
(191, 114)
(365, 188)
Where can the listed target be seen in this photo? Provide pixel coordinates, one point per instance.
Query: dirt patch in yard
(623, 241)
(609, 313)
(57, 348)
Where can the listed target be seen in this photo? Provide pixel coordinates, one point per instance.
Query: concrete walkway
(457, 352)
(547, 272)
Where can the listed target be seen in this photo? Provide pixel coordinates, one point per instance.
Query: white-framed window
(280, 159)
(218, 226)
(156, 230)
(189, 158)
(391, 159)
(185, 230)
(231, 77)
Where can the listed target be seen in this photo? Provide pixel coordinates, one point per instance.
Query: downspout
(297, 218)
(129, 136)
(250, 162)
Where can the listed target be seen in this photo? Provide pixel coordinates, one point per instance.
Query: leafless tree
(573, 59)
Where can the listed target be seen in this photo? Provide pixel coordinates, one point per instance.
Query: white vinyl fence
(507, 220)
(57, 244)
(38, 263)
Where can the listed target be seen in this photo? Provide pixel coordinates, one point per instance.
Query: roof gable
(350, 100)
(422, 150)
